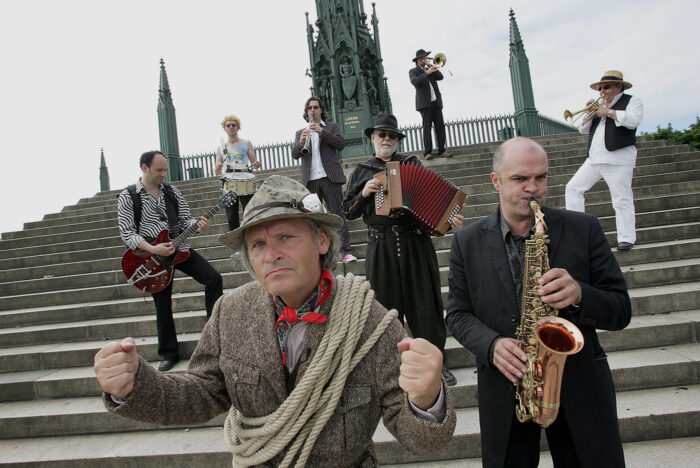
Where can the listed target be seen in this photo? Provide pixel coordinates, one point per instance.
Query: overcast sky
(81, 75)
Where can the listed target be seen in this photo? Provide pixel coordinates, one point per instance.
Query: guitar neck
(193, 228)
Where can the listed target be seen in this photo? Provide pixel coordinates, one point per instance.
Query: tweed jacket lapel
(263, 337)
(491, 235)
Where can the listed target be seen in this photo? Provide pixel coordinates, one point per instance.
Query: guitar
(152, 273)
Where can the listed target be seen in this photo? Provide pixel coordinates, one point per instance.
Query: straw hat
(611, 76)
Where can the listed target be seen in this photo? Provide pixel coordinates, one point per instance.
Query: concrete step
(193, 188)
(45, 370)
(641, 419)
(459, 169)
(679, 453)
(38, 275)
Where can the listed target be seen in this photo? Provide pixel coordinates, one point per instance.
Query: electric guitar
(152, 273)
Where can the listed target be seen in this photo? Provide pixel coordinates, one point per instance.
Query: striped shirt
(153, 216)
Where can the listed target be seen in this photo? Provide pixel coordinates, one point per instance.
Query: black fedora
(385, 122)
(421, 53)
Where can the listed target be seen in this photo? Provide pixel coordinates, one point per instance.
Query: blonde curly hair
(229, 118)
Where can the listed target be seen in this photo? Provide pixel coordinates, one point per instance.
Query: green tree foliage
(691, 136)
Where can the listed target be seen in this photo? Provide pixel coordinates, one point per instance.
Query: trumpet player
(317, 146)
(612, 154)
(424, 77)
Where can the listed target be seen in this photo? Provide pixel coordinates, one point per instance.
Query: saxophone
(545, 338)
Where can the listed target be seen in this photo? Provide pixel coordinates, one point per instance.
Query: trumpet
(588, 111)
(438, 61)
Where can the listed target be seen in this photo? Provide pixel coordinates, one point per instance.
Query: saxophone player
(584, 283)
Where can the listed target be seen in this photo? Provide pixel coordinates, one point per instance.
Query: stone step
(569, 151)
(645, 166)
(679, 453)
(663, 251)
(109, 237)
(640, 415)
(107, 216)
(641, 418)
(15, 285)
(43, 371)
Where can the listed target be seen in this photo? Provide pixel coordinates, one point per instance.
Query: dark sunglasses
(231, 125)
(312, 107)
(391, 135)
(606, 87)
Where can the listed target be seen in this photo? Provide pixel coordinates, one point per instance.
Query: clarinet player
(484, 306)
(317, 146)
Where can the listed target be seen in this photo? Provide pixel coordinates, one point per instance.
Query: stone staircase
(63, 296)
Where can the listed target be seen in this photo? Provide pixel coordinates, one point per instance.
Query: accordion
(427, 196)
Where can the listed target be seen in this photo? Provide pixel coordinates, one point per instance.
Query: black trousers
(433, 116)
(232, 211)
(199, 269)
(332, 195)
(402, 268)
(524, 444)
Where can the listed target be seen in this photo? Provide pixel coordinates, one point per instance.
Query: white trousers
(619, 180)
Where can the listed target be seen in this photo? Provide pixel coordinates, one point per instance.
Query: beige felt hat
(280, 198)
(611, 76)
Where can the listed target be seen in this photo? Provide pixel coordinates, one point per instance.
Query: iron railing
(458, 133)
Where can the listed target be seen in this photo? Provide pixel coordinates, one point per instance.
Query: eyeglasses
(312, 107)
(231, 125)
(606, 87)
(391, 135)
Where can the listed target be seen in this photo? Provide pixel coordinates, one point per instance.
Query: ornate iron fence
(459, 133)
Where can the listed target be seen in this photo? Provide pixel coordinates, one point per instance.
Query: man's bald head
(514, 144)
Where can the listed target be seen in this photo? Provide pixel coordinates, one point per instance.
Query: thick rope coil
(308, 408)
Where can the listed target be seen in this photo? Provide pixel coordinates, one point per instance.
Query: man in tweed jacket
(240, 358)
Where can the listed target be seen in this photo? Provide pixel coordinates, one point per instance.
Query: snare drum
(243, 183)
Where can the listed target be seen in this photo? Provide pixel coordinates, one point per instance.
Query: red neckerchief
(306, 313)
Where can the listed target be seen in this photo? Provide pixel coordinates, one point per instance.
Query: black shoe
(449, 378)
(167, 364)
(624, 246)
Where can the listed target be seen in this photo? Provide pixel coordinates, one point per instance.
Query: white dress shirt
(316, 171)
(629, 118)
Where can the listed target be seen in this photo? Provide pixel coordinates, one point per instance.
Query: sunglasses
(231, 125)
(391, 135)
(312, 107)
(606, 87)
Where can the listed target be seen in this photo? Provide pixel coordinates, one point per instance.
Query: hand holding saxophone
(559, 289)
(510, 359)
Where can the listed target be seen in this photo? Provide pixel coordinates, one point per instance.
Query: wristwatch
(610, 112)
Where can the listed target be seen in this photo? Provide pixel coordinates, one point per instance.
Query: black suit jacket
(422, 82)
(332, 141)
(482, 304)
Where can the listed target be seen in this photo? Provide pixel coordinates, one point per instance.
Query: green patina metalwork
(525, 112)
(346, 68)
(167, 128)
(104, 173)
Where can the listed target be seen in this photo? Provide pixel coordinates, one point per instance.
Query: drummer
(235, 155)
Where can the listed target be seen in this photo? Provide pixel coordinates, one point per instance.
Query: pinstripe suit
(329, 188)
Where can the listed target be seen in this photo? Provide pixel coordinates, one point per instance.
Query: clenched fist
(115, 366)
(421, 371)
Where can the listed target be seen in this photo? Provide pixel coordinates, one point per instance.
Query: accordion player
(428, 197)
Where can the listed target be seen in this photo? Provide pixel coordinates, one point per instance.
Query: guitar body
(151, 273)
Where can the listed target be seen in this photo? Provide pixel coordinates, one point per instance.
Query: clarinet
(306, 149)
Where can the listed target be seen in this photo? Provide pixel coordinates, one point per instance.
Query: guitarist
(162, 206)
